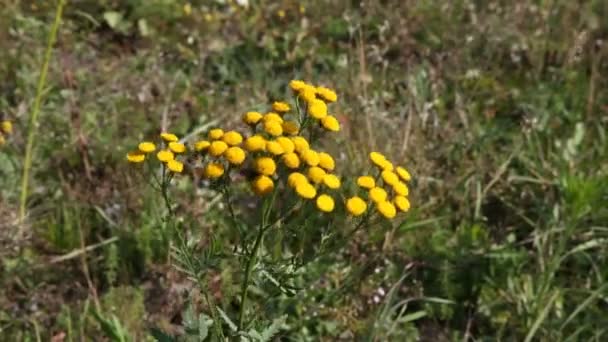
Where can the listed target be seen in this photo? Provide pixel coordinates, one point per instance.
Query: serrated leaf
(160, 336)
(273, 329)
(227, 319)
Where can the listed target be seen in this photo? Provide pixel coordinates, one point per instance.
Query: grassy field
(498, 109)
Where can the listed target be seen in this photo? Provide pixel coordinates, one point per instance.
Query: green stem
(36, 110)
(248, 269)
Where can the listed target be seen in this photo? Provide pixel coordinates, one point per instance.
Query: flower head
(297, 85)
(286, 144)
(387, 209)
(331, 181)
(262, 185)
(308, 93)
(316, 174)
(216, 134)
(235, 155)
(317, 109)
(165, 155)
(273, 128)
(327, 94)
(272, 117)
(300, 144)
(400, 188)
(296, 178)
(214, 170)
(7, 127)
(326, 161)
(291, 160)
(175, 166)
(255, 143)
(217, 148)
(389, 177)
(146, 147)
(202, 145)
(136, 157)
(377, 194)
(274, 148)
(330, 123)
(252, 118)
(403, 173)
(325, 203)
(265, 166)
(366, 182)
(232, 138)
(306, 190)
(310, 157)
(169, 137)
(290, 127)
(402, 203)
(177, 147)
(356, 206)
(281, 107)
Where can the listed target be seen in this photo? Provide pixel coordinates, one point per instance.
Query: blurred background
(498, 108)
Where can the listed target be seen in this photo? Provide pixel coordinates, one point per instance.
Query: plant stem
(36, 110)
(248, 269)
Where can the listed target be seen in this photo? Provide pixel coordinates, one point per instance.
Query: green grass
(498, 110)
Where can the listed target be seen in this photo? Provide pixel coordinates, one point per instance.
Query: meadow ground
(499, 109)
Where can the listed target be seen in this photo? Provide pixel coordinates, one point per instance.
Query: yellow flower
(326, 161)
(403, 173)
(265, 166)
(401, 189)
(7, 127)
(281, 107)
(356, 206)
(308, 93)
(402, 203)
(165, 155)
(389, 177)
(306, 190)
(331, 181)
(387, 166)
(317, 109)
(187, 9)
(300, 144)
(262, 185)
(291, 160)
(387, 209)
(255, 143)
(273, 128)
(169, 137)
(217, 148)
(286, 144)
(2, 141)
(202, 145)
(297, 85)
(310, 157)
(296, 178)
(175, 165)
(146, 147)
(232, 138)
(330, 123)
(252, 118)
(136, 157)
(325, 203)
(377, 158)
(377, 194)
(316, 174)
(290, 127)
(177, 147)
(274, 147)
(214, 170)
(327, 94)
(216, 133)
(366, 182)
(272, 117)
(235, 155)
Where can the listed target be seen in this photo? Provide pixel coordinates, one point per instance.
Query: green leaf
(114, 19)
(227, 319)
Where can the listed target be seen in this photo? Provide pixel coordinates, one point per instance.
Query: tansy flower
(262, 185)
(356, 206)
(232, 138)
(306, 190)
(274, 148)
(325, 203)
(280, 107)
(146, 147)
(317, 109)
(291, 160)
(235, 155)
(175, 165)
(165, 155)
(402, 203)
(177, 147)
(327, 94)
(286, 144)
(169, 137)
(255, 143)
(252, 118)
(387, 166)
(290, 127)
(377, 194)
(273, 128)
(7, 127)
(310, 157)
(265, 166)
(217, 148)
(136, 157)
(296, 178)
(377, 158)
(300, 144)
(2, 141)
(330, 123)
(202, 145)
(272, 117)
(366, 182)
(297, 85)
(308, 93)
(331, 181)
(387, 209)
(216, 134)
(326, 161)
(401, 189)
(214, 170)
(389, 177)
(316, 174)
(403, 173)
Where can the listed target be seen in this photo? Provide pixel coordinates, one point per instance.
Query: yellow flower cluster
(316, 100)
(388, 191)
(6, 128)
(165, 155)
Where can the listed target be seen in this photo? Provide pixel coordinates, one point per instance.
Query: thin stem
(36, 110)
(164, 187)
(248, 269)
